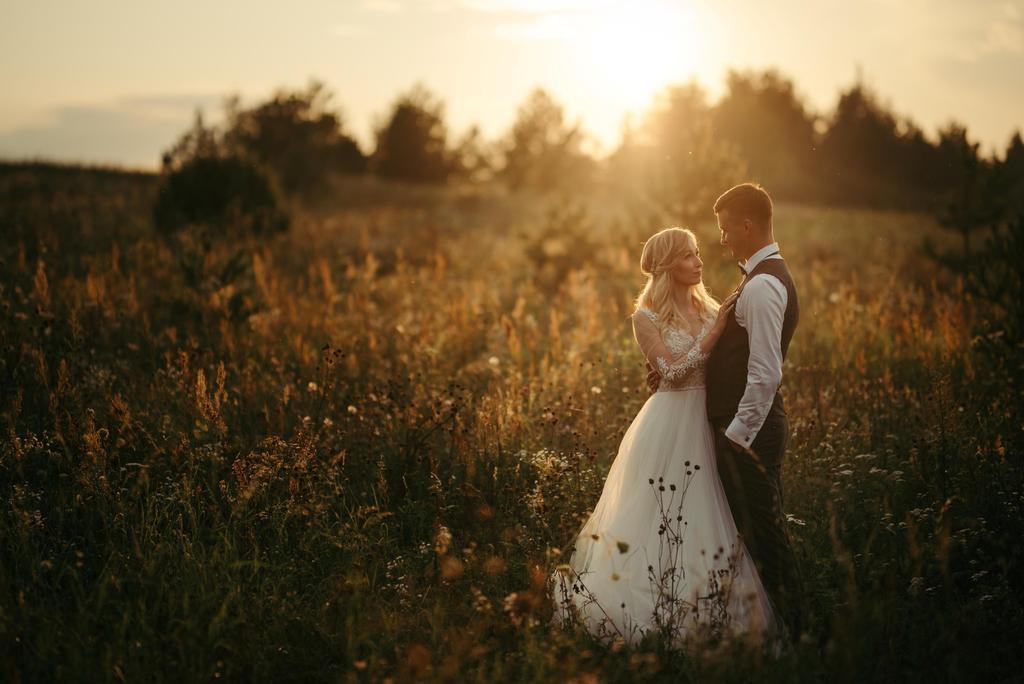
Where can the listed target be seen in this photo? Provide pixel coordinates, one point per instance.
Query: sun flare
(635, 49)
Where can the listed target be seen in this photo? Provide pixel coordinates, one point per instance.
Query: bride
(660, 552)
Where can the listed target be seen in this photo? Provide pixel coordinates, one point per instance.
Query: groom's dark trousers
(753, 484)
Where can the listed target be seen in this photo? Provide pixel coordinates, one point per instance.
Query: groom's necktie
(746, 274)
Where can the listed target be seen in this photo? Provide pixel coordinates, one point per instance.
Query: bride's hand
(711, 339)
(653, 378)
(723, 313)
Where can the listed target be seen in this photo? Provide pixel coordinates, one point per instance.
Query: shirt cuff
(740, 433)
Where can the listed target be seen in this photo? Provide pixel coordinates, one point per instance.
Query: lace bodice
(674, 352)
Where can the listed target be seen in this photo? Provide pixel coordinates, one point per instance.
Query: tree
(675, 158)
(864, 153)
(772, 130)
(211, 203)
(297, 137)
(1009, 177)
(473, 158)
(412, 144)
(862, 132)
(199, 141)
(971, 203)
(542, 151)
(204, 184)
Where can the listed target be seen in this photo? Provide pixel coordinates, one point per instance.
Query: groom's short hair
(746, 200)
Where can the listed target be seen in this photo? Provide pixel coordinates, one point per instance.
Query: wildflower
(442, 540)
(595, 389)
(328, 422)
(480, 602)
(494, 361)
(312, 386)
(352, 409)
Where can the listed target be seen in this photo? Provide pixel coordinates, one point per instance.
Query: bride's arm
(673, 368)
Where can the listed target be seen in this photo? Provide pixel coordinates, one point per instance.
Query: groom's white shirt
(760, 309)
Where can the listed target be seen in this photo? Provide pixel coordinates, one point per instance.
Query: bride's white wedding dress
(660, 551)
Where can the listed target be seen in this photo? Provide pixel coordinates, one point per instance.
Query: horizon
(603, 61)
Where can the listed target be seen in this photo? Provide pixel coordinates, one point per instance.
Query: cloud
(1005, 34)
(172, 107)
(546, 27)
(989, 29)
(132, 131)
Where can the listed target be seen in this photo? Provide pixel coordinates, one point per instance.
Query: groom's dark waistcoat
(726, 371)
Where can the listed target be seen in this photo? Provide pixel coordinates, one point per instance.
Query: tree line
(682, 147)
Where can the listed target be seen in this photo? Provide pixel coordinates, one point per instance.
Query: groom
(744, 405)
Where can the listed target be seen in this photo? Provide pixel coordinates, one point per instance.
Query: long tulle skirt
(660, 552)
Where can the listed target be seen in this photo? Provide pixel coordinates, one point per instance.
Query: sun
(634, 49)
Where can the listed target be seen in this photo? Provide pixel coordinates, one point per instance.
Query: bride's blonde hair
(658, 257)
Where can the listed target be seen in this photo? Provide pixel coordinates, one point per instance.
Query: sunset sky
(118, 81)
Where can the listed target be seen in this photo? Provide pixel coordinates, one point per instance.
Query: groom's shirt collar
(759, 256)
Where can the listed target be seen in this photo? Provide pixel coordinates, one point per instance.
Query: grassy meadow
(354, 451)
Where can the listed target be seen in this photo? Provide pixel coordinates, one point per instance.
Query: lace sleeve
(674, 369)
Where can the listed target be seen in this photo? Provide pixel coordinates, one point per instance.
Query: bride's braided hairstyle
(660, 254)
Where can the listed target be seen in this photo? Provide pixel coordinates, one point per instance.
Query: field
(354, 451)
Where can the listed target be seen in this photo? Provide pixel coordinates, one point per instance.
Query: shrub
(226, 193)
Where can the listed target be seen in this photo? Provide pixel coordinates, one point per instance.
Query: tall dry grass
(355, 452)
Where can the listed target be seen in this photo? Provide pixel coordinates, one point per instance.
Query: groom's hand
(735, 446)
(653, 378)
